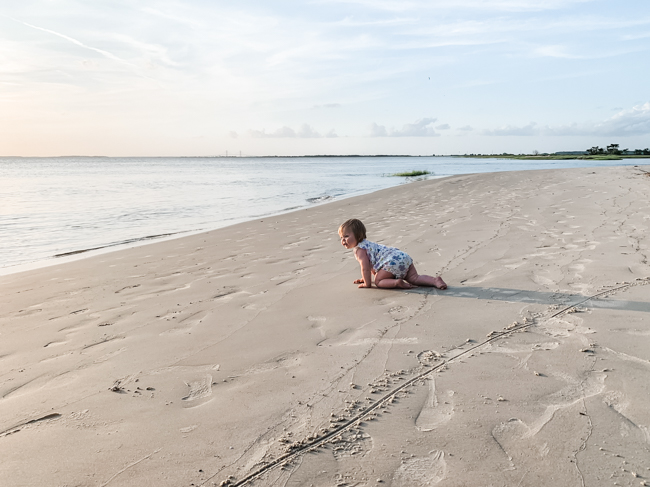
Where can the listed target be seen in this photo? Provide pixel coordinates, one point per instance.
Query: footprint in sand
(420, 472)
(618, 402)
(199, 389)
(528, 443)
(632, 331)
(565, 326)
(435, 412)
(285, 360)
(318, 324)
(399, 313)
(383, 301)
(189, 429)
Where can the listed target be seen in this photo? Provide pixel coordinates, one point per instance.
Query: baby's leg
(386, 280)
(413, 277)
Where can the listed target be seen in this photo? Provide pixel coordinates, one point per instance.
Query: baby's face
(347, 238)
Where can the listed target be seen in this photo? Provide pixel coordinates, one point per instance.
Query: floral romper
(385, 258)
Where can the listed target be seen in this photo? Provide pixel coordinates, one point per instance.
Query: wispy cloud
(563, 52)
(352, 22)
(556, 51)
(106, 54)
(486, 5)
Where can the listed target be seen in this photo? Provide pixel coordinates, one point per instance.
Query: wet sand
(246, 356)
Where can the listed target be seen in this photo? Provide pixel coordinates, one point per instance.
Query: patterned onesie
(385, 258)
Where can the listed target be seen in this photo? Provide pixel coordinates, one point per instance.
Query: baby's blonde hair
(357, 228)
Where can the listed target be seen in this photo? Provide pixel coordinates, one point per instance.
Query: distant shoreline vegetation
(611, 153)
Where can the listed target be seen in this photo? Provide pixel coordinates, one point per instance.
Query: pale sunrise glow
(330, 77)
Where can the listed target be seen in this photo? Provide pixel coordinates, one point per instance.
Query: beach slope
(246, 355)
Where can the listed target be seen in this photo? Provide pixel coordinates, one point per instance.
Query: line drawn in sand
(302, 447)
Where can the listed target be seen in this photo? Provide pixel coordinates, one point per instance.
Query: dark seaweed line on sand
(123, 242)
(17, 427)
(312, 445)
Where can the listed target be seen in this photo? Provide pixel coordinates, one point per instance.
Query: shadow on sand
(535, 297)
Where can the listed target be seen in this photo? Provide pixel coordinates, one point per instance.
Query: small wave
(320, 199)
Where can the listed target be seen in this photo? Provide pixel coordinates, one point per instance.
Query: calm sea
(60, 206)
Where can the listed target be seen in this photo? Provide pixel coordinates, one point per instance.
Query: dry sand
(185, 362)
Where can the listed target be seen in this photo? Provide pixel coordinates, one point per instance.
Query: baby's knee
(382, 283)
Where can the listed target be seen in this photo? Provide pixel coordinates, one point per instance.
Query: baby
(391, 267)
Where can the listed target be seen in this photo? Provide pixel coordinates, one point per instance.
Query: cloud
(444, 126)
(486, 5)
(466, 128)
(282, 132)
(555, 51)
(561, 52)
(634, 121)
(305, 131)
(418, 129)
(352, 22)
(421, 128)
(378, 130)
(107, 54)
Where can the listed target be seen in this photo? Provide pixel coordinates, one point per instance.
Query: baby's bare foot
(439, 283)
(401, 283)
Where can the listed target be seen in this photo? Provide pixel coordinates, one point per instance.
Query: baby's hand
(359, 281)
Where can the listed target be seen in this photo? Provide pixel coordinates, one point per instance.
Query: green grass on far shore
(544, 157)
(411, 174)
(562, 157)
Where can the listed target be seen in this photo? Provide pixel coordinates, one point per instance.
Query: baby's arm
(366, 267)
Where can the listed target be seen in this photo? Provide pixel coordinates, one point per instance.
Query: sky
(328, 77)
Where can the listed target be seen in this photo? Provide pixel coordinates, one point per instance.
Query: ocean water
(52, 208)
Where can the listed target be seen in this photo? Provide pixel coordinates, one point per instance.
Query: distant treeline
(615, 150)
(611, 152)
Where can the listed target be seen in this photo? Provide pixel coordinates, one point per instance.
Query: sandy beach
(246, 355)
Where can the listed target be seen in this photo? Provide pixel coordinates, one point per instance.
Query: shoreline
(247, 351)
(73, 255)
(36, 241)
